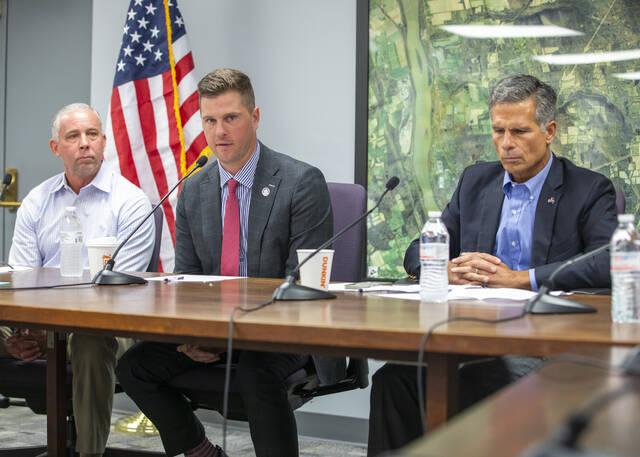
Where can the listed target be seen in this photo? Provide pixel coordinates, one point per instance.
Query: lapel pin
(265, 191)
(551, 200)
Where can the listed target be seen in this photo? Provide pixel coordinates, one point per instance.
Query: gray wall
(48, 65)
(300, 55)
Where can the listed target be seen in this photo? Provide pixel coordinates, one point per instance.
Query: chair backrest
(154, 263)
(620, 204)
(348, 201)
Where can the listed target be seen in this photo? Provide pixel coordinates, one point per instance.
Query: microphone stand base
(550, 304)
(289, 291)
(116, 278)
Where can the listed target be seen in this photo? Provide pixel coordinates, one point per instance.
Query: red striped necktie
(230, 258)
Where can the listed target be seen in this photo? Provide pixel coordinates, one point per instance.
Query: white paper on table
(192, 278)
(410, 296)
(488, 293)
(340, 287)
(477, 293)
(8, 269)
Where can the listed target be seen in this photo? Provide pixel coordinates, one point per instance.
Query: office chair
(27, 381)
(204, 385)
(348, 201)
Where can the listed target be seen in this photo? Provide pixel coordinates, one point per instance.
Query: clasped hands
(200, 354)
(480, 268)
(27, 345)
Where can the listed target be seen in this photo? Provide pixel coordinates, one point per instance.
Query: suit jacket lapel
(546, 214)
(491, 210)
(263, 195)
(212, 216)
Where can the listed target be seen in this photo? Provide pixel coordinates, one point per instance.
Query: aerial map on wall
(428, 90)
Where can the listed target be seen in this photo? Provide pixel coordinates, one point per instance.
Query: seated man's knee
(91, 348)
(392, 380)
(386, 376)
(123, 368)
(256, 374)
(127, 366)
(249, 371)
(148, 362)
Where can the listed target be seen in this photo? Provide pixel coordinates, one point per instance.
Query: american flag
(154, 132)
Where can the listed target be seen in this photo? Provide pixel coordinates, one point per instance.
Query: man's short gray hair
(55, 123)
(518, 88)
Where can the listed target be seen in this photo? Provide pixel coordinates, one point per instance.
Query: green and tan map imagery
(428, 91)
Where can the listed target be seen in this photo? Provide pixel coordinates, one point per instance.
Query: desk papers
(412, 292)
(192, 278)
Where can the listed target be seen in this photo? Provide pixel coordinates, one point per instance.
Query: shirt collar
(100, 181)
(245, 175)
(534, 185)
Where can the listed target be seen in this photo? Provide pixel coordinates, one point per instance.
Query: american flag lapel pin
(551, 201)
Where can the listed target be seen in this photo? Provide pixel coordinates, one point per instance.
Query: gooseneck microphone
(109, 277)
(543, 303)
(289, 290)
(564, 442)
(5, 183)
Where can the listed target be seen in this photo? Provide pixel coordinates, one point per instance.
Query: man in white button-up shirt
(108, 205)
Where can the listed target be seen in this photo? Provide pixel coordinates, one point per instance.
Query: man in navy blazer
(511, 224)
(280, 205)
(575, 213)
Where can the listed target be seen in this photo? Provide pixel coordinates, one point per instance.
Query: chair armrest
(357, 378)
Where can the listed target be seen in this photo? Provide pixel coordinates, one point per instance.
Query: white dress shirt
(108, 206)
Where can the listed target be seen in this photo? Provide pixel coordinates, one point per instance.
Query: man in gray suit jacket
(244, 215)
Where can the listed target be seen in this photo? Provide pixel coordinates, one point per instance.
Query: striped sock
(205, 449)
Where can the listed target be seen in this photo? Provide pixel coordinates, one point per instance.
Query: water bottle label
(625, 261)
(434, 251)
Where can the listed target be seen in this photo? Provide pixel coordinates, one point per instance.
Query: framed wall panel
(428, 88)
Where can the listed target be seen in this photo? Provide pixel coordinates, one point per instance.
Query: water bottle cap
(434, 214)
(625, 218)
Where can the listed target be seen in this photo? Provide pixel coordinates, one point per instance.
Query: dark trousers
(394, 417)
(146, 369)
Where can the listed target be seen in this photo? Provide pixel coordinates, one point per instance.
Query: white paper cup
(100, 251)
(317, 271)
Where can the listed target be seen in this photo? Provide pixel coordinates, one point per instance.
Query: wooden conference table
(529, 413)
(354, 324)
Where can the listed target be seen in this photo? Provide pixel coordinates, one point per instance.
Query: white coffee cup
(100, 251)
(317, 271)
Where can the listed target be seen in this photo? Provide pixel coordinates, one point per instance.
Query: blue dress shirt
(515, 232)
(108, 206)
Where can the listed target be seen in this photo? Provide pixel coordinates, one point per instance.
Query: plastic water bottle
(434, 256)
(625, 271)
(71, 261)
